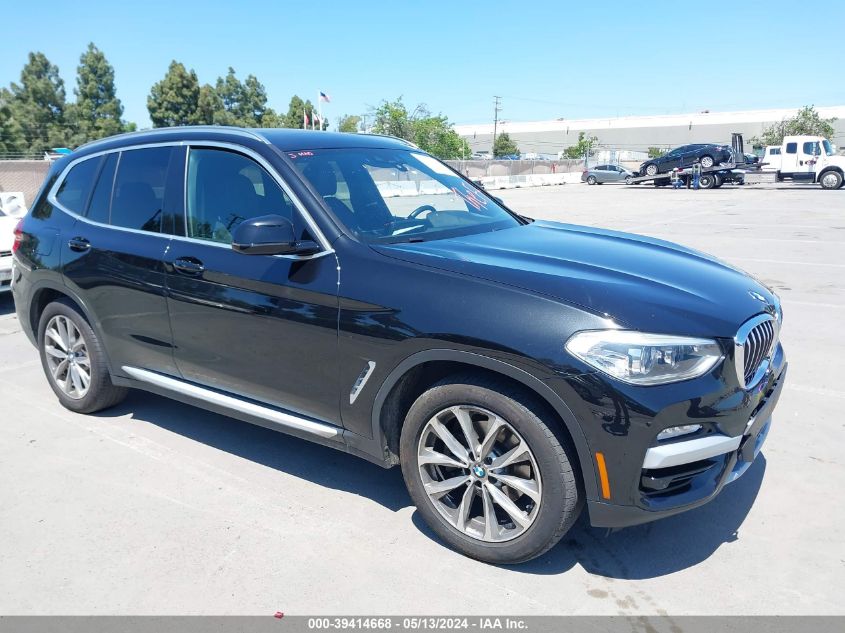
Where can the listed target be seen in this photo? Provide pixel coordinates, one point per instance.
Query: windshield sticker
(434, 165)
(471, 197)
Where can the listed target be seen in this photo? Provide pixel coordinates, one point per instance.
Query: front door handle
(188, 265)
(78, 244)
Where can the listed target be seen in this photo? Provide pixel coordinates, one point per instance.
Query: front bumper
(685, 474)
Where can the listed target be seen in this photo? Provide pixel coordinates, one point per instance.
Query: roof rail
(164, 130)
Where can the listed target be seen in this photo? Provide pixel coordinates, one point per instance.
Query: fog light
(677, 431)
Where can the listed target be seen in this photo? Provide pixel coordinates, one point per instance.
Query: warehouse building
(638, 133)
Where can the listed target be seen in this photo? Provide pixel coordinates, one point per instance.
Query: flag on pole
(304, 120)
(325, 97)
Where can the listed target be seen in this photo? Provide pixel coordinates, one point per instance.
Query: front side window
(811, 148)
(75, 188)
(225, 188)
(138, 196)
(828, 148)
(392, 195)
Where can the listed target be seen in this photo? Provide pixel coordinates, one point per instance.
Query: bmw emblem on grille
(757, 295)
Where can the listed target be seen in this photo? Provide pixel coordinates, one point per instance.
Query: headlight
(645, 359)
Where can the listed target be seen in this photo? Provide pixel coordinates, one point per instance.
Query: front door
(260, 326)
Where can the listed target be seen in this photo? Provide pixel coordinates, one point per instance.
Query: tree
(655, 152)
(504, 146)
(297, 108)
(175, 99)
(11, 135)
(209, 104)
(97, 111)
(806, 122)
(431, 133)
(348, 123)
(37, 105)
(242, 103)
(582, 148)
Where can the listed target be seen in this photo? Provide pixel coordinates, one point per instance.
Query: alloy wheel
(67, 357)
(479, 473)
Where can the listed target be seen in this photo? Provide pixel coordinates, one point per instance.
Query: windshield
(828, 148)
(393, 195)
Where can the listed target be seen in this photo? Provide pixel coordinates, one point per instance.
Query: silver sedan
(606, 173)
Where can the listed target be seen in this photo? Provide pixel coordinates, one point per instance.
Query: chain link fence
(25, 176)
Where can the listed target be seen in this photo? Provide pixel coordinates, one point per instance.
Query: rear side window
(75, 188)
(792, 148)
(98, 209)
(224, 189)
(138, 196)
(775, 151)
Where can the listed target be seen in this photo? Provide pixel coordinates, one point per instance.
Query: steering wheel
(420, 210)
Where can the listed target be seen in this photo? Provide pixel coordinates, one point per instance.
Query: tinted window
(98, 209)
(74, 190)
(775, 151)
(811, 148)
(792, 148)
(394, 195)
(139, 188)
(224, 189)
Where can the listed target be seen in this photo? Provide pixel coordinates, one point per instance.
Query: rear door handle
(188, 265)
(78, 244)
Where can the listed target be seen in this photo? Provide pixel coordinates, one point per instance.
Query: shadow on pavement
(654, 549)
(300, 458)
(644, 551)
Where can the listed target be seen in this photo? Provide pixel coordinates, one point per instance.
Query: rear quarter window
(792, 148)
(76, 187)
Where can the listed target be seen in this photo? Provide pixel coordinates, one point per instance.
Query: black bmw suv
(355, 291)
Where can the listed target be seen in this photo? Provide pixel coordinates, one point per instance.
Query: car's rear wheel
(591, 180)
(706, 181)
(651, 170)
(486, 472)
(831, 180)
(73, 360)
(706, 161)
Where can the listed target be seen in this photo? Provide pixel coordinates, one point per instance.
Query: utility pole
(496, 109)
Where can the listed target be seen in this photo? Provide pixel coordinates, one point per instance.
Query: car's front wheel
(486, 471)
(830, 180)
(629, 180)
(74, 361)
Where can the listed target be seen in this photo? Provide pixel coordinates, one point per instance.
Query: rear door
(260, 326)
(114, 256)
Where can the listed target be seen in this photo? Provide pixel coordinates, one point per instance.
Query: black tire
(101, 393)
(651, 169)
(717, 181)
(706, 161)
(629, 180)
(830, 180)
(706, 181)
(591, 180)
(561, 497)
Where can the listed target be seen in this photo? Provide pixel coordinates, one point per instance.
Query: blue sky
(546, 59)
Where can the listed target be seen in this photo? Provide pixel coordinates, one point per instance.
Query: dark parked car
(706, 154)
(601, 174)
(516, 370)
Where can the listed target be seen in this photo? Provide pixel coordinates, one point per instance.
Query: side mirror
(270, 235)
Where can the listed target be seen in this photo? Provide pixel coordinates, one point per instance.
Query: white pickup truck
(808, 158)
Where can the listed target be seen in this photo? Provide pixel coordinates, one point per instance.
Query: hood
(642, 283)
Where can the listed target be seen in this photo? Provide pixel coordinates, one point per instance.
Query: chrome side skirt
(283, 420)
